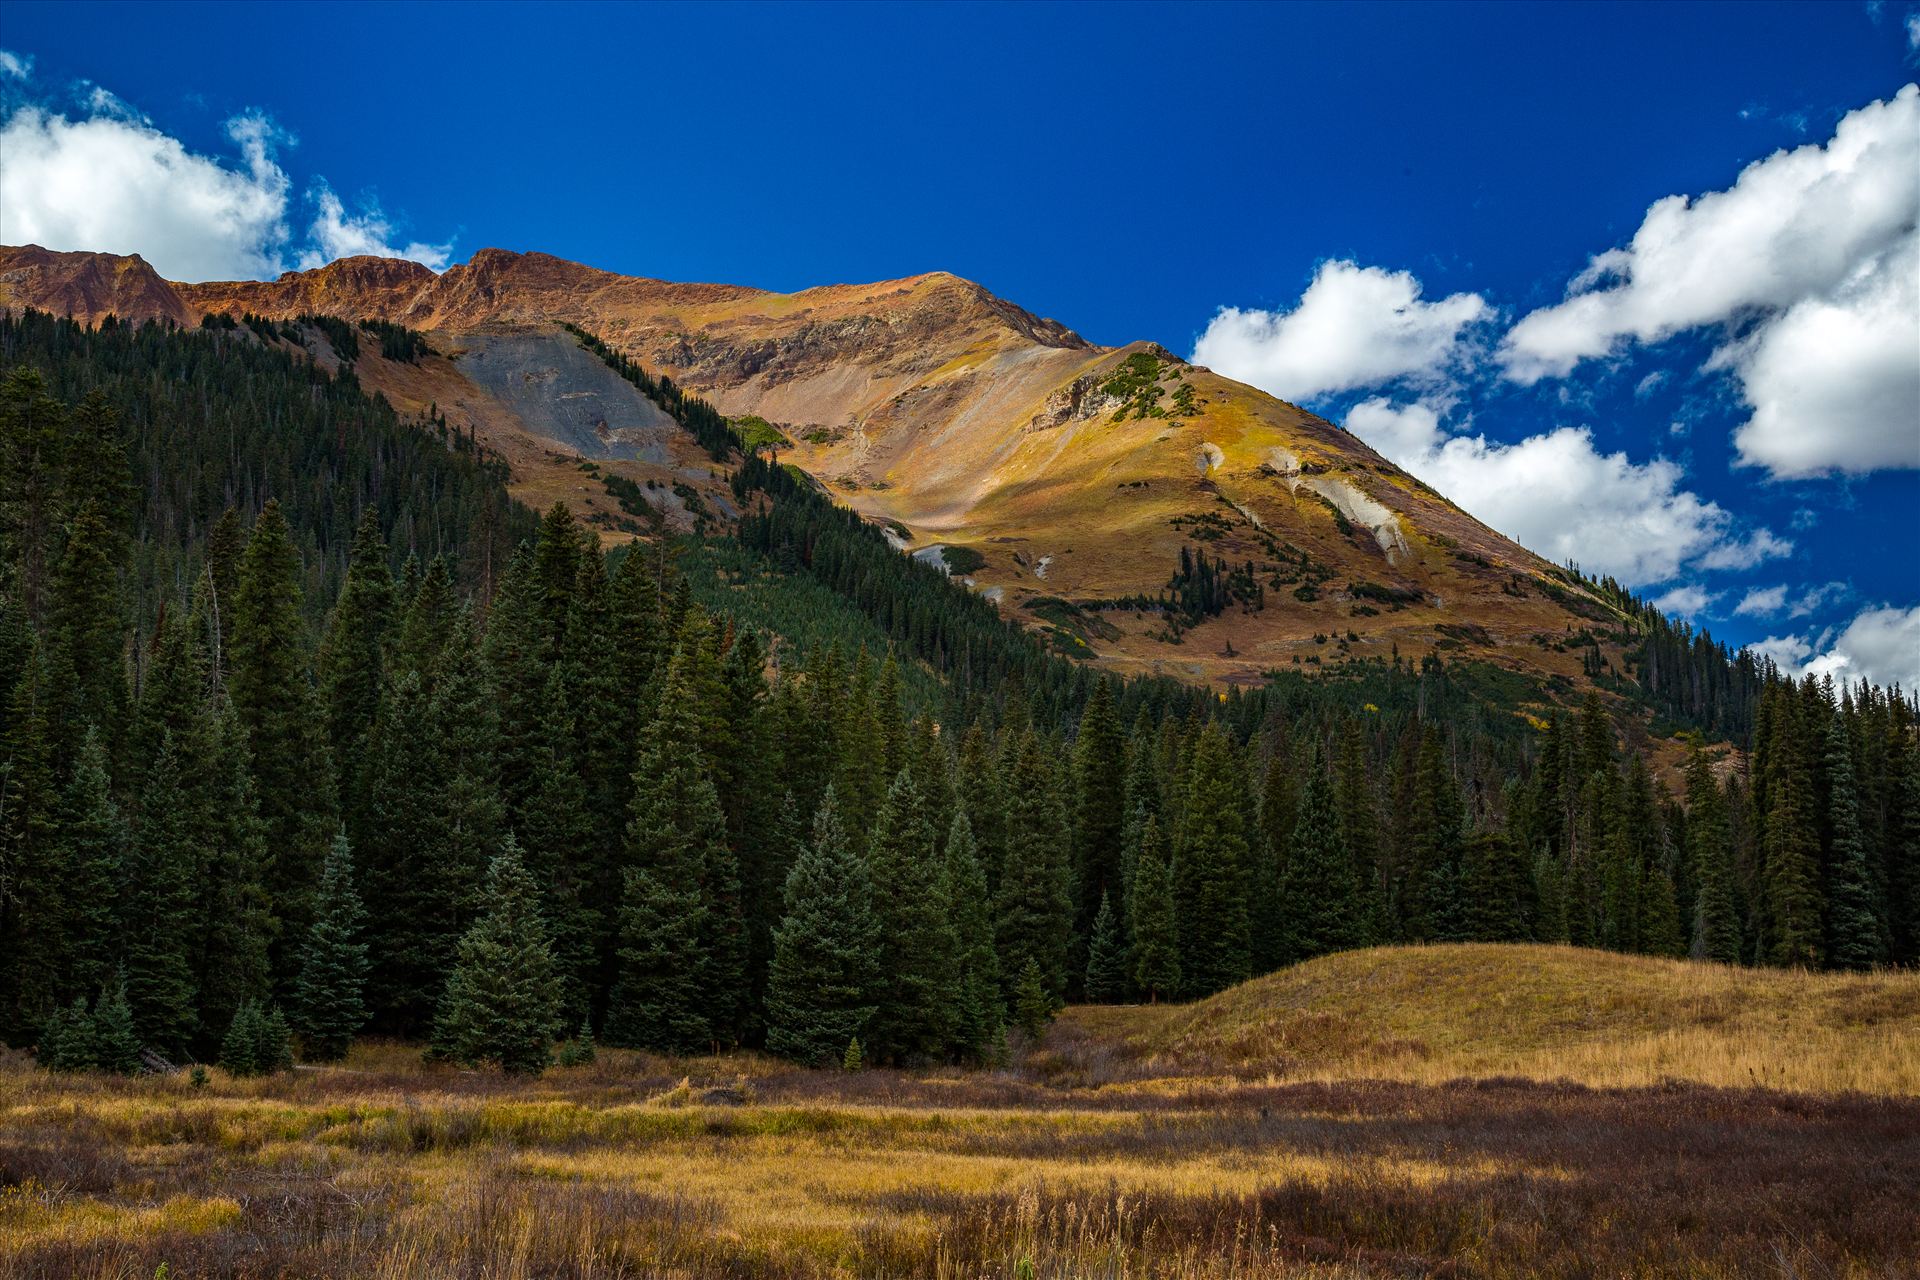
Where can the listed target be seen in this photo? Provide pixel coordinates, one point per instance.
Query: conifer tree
(285, 735)
(1099, 815)
(352, 660)
(671, 977)
(502, 1001)
(984, 799)
(1501, 900)
(86, 622)
(32, 910)
(93, 860)
(1716, 916)
(1034, 904)
(824, 981)
(1156, 933)
(556, 834)
(1212, 871)
(66, 1039)
(1853, 933)
(1360, 823)
(980, 1013)
(917, 938)
(239, 1048)
(1322, 889)
(230, 937)
(329, 991)
(158, 917)
(116, 1044)
(273, 1047)
(1791, 848)
(1033, 1003)
(1435, 905)
(1106, 957)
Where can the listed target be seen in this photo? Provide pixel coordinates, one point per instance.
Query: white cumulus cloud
(120, 185)
(1355, 327)
(338, 234)
(1762, 602)
(1686, 601)
(1880, 645)
(108, 179)
(1811, 256)
(14, 66)
(1560, 496)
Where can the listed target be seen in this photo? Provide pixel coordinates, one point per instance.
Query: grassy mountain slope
(1431, 1014)
(1061, 478)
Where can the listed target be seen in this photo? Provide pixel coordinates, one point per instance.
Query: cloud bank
(1559, 495)
(1355, 327)
(1880, 645)
(106, 178)
(1812, 261)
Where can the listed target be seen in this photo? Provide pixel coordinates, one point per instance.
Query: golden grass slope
(1431, 1014)
(930, 404)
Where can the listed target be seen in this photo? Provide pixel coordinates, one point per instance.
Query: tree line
(563, 797)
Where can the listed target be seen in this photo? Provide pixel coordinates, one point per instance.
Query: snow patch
(1040, 569)
(935, 555)
(1209, 457)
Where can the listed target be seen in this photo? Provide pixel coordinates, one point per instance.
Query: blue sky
(1393, 201)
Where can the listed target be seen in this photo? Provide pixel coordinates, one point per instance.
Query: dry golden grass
(1431, 1014)
(1179, 1142)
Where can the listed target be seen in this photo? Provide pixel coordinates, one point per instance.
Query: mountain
(1068, 481)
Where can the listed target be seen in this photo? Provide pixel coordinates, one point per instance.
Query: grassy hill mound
(1541, 1012)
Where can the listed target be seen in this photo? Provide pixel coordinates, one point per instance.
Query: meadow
(1469, 1111)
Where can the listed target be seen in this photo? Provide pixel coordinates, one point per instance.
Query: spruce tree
(230, 953)
(158, 917)
(1501, 900)
(1212, 870)
(1791, 849)
(1854, 940)
(239, 1048)
(329, 992)
(1099, 814)
(116, 1044)
(1716, 915)
(93, 860)
(274, 696)
(672, 993)
(917, 938)
(1033, 1003)
(32, 910)
(1034, 904)
(66, 1039)
(823, 985)
(1322, 889)
(502, 1001)
(352, 662)
(980, 1011)
(556, 835)
(1156, 932)
(1106, 957)
(1435, 903)
(86, 620)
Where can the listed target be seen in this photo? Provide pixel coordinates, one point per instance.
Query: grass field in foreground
(1091, 1157)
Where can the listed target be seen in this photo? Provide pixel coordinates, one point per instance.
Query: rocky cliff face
(1067, 477)
(88, 286)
